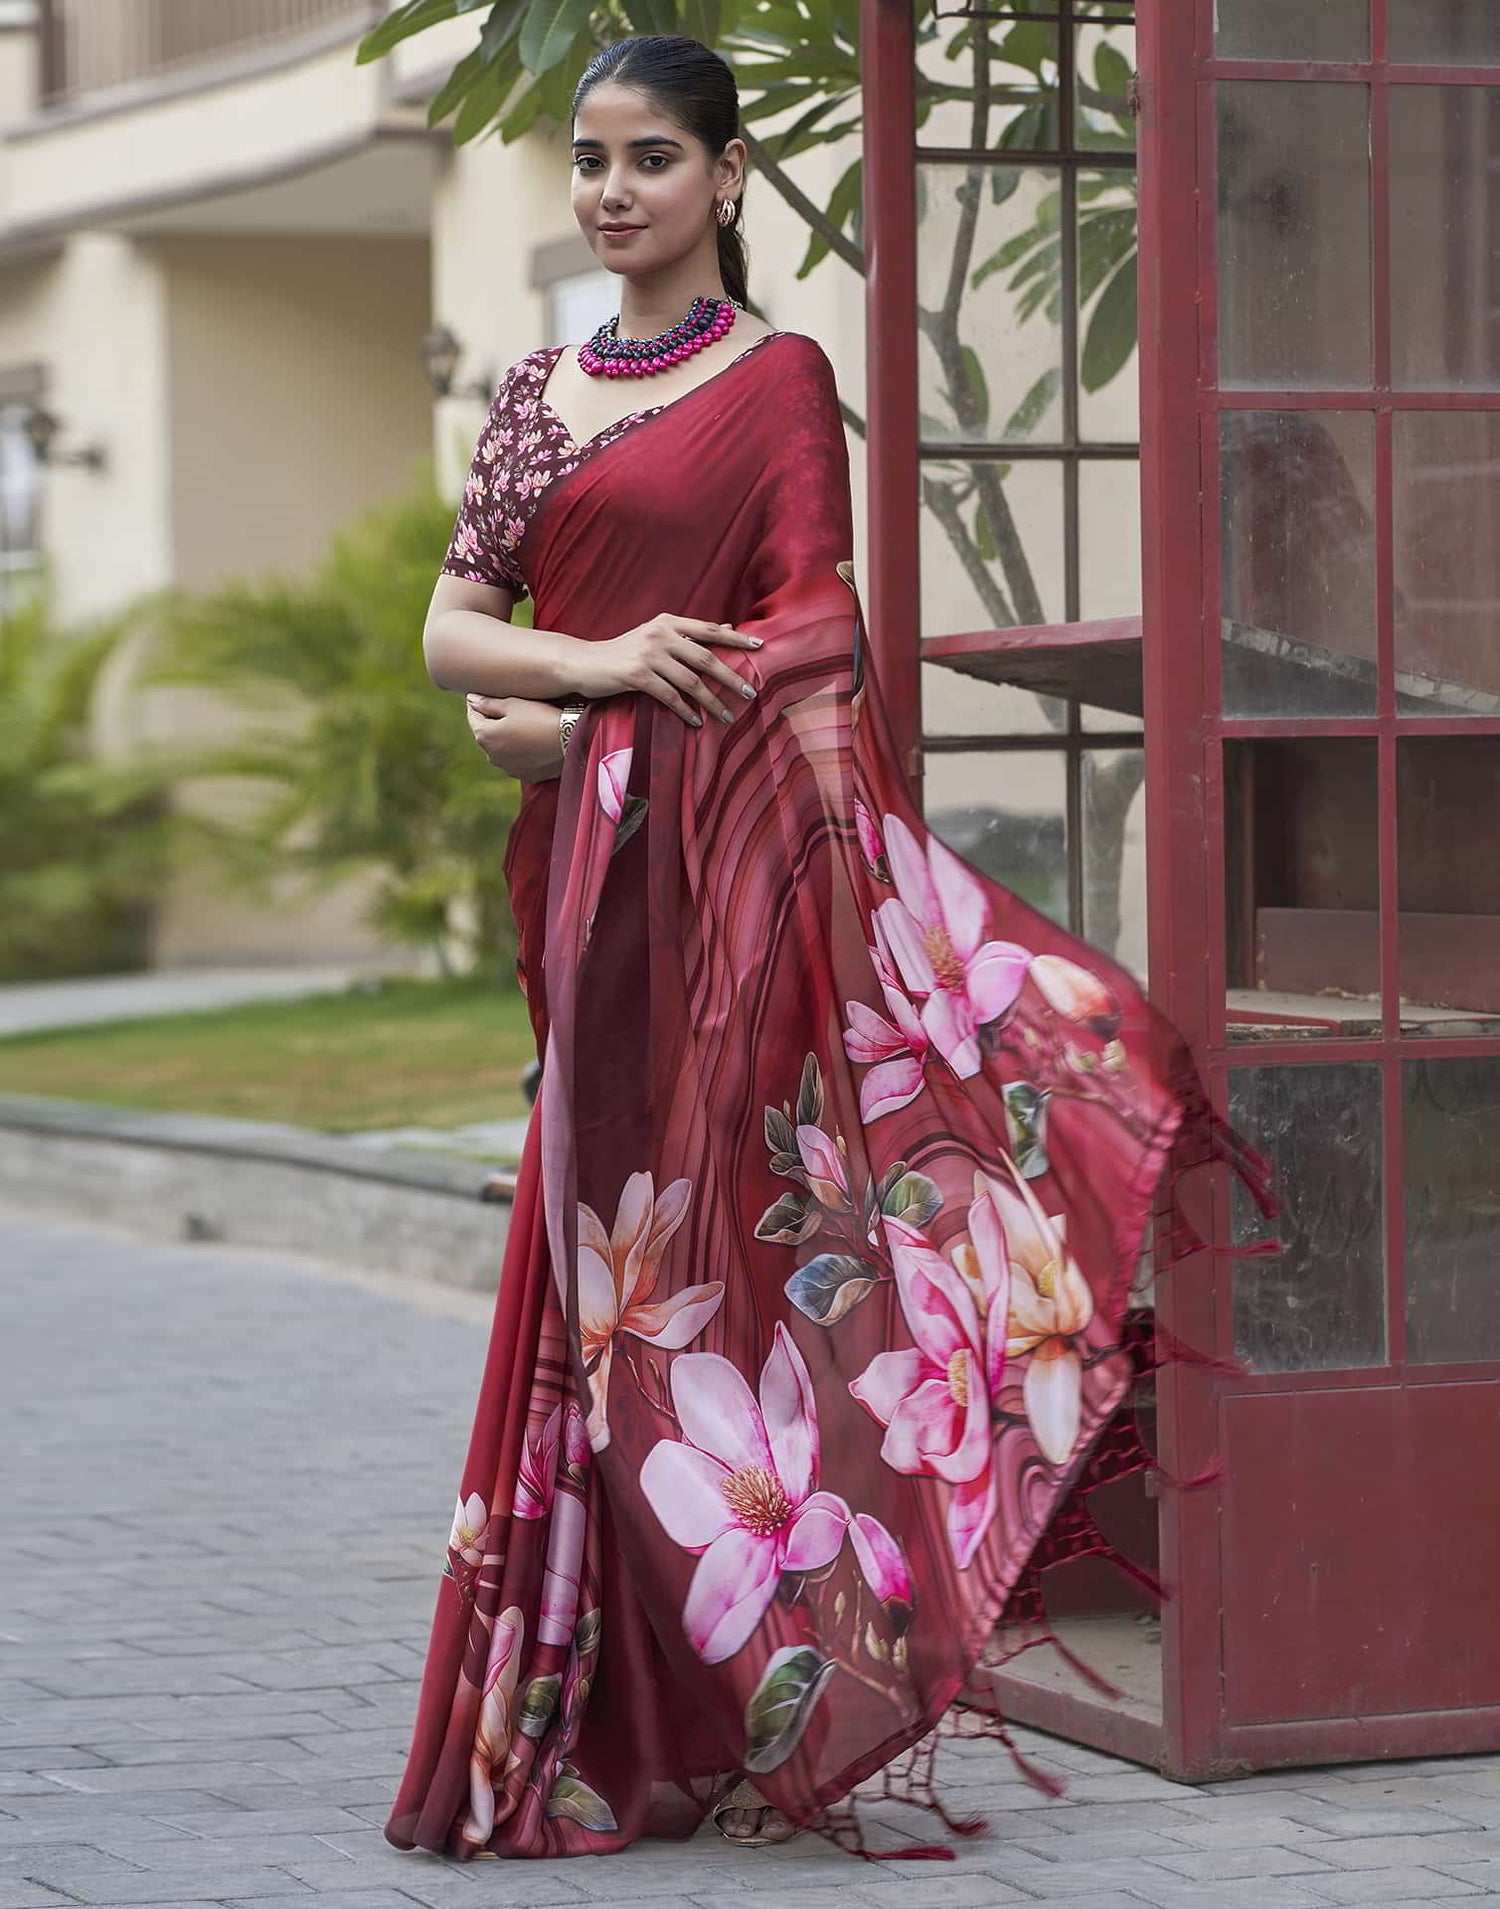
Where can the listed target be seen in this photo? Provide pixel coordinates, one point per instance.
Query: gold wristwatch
(567, 722)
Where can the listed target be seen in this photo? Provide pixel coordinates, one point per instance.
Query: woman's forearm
(483, 655)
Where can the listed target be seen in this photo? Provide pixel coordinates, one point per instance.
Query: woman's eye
(586, 162)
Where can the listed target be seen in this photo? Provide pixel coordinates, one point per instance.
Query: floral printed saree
(813, 1311)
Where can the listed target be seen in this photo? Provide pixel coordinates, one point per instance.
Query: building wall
(297, 393)
(297, 401)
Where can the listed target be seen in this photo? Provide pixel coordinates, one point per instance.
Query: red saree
(813, 1306)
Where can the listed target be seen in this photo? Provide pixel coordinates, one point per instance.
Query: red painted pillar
(887, 57)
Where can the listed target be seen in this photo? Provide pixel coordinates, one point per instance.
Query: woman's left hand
(517, 736)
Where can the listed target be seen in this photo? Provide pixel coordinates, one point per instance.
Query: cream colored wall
(297, 400)
(56, 170)
(298, 397)
(108, 532)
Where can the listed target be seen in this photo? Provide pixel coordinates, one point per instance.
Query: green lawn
(403, 1053)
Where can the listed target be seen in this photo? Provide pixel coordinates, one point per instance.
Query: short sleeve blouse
(489, 526)
(523, 447)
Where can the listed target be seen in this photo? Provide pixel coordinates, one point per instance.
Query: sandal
(745, 1797)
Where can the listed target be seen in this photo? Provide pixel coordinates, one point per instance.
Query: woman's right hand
(668, 658)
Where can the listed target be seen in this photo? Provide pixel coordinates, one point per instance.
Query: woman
(811, 1312)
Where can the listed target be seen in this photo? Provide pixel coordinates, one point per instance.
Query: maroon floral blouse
(523, 447)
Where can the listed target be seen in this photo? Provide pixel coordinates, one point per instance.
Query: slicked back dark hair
(691, 84)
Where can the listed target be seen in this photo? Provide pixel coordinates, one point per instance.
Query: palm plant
(84, 843)
(362, 764)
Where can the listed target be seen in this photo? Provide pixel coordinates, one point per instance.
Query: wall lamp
(42, 427)
(442, 354)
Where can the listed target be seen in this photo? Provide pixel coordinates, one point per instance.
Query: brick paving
(227, 1483)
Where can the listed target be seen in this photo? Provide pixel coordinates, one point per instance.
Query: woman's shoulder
(802, 362)
(527, 372)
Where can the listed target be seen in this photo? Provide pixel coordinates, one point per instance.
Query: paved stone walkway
(226, 1485)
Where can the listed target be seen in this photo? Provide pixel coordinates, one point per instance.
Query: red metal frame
(887, 58)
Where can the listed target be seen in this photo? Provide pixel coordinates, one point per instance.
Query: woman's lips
(620, 231)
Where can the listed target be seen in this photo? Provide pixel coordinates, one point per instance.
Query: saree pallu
(814, 1305)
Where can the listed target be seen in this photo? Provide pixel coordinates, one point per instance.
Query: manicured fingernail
(697, 721)
(747, 689)
(724, 716)
(757, 642)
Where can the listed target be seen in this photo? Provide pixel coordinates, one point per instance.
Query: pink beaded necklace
(607, 355)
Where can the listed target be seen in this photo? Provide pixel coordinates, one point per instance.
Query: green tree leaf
(782, 1704)
(1112, 330)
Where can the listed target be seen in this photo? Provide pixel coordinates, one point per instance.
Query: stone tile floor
(227, 1483)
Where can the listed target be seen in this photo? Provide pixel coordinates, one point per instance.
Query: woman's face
(636, 169)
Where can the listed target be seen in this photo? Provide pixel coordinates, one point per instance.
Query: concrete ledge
(184, 1176)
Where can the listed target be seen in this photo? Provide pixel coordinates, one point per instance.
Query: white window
(20, 489)
(579, 304)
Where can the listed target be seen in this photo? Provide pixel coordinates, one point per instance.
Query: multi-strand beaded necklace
(606, 355)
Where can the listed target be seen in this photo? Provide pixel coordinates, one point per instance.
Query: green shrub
(368, 765)
(84, 844)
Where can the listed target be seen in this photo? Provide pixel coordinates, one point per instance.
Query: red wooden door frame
(1201, 1415)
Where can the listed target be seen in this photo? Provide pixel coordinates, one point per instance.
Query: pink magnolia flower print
(895, 1051)
(617, 1274)
(827, 1175)
(466, 1539)
(936, 1399)
(1050, 1304)
(740, 1489)
(884, 1567)
(1076, 994)
(536, 1475)
(871, 847)
(493, 1734)
(935, 927)
(614, 776)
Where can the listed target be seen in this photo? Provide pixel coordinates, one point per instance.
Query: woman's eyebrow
(650, 139)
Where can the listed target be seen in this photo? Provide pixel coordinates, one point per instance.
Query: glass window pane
(1444, 32)
(989, 264)
(1447, 504)
(1297, 562)
(1104, 63)
(992, 544)
(1292, 29)
(1452, 1164)
(956, 704)
(1320, 1302)
(1109, 539)
(1114, 854)
(983, 84)
(1294, 235)
(1445, 225)
(1108, 395)
(1450, 894)
(1007, 814)
(1303, 888)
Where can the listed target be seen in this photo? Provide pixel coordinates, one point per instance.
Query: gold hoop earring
(726, 211)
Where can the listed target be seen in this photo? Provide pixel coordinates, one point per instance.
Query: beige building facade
(222, 243)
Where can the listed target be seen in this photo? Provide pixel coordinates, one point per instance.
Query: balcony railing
(90, 46)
